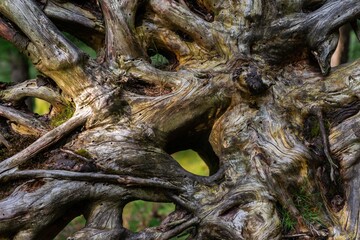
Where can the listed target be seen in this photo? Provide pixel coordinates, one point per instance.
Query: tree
(340, 55)
(246, 84)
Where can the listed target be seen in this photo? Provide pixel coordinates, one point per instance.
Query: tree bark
(248, 85)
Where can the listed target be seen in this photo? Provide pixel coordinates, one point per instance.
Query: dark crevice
(59, 225)
(206, 152)
(141, 87)
(312, 5)
(230, 212)
(251, 77)
(338, 115)
(140, 13)
(185, 37)
(162, 58)
(200, 10)
(331, 186)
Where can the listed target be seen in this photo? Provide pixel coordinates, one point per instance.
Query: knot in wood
(250, 78)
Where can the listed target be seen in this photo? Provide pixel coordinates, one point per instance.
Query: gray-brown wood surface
(247, 84)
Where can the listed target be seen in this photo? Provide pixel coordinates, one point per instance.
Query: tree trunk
(20, 72)
(341, 54)
(19, 67)
(247, 84)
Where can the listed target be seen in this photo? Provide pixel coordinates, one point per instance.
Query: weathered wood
(239, 86)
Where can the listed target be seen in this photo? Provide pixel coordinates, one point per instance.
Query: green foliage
(181, 237)
(309, 209)
(159, 60)
(59, 119)
(75, 225)
(288, 223)
(315, 130)
(5, 49)
(191, 162)
(138, 215)
(41, 107)
(80, 45)
(307, 206)
(354, 48)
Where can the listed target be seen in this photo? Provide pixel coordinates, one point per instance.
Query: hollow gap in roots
(192, 162)
(140, 13)
(141, 87)
(75, 225)
(138, 215)
(195, 144)
(162, 58)
(81, 44)
(312, 5)
(40, 106)
(200, 10)
(184, 36)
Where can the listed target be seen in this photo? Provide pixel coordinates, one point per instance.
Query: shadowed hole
(138, 215)
(141, 87)
(233, 212)
(72, 227)
(185, 37)
(312, 5)
(159, 60)
(192, 162)
(162, 58)
(200, 10)
(140, 13)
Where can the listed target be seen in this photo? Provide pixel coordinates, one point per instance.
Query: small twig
(325, 141)
(179, 229)
(76, 155)
(310, 234)
(298, 235)
(59, 174)
(152, 182)
(314, 231)
(91, 177)
(183, 203)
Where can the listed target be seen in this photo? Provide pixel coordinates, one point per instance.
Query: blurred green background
(137, 215)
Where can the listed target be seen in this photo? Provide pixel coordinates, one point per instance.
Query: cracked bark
(250, 84)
